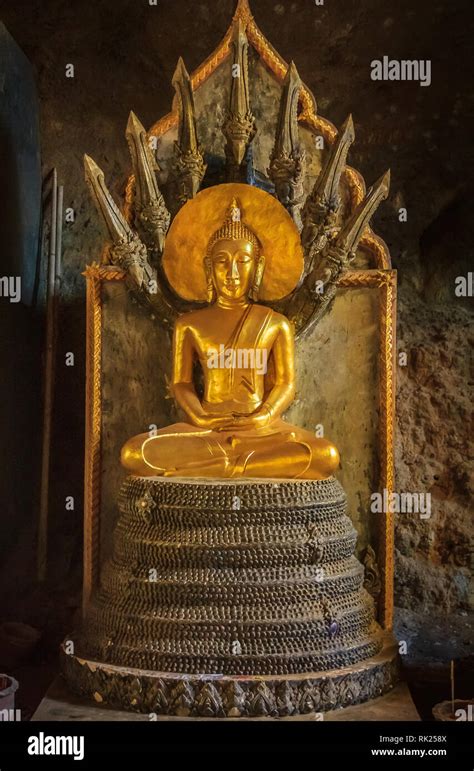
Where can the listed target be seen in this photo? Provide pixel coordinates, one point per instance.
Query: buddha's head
(234, 263)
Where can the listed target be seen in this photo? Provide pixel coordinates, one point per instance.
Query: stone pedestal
(231, 598)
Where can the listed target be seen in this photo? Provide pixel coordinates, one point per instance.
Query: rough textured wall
(124, 55)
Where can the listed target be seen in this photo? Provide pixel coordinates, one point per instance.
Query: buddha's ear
(257, 278)
(210, 289)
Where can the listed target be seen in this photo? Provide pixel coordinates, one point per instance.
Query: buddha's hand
(258, 419)
(211, 422)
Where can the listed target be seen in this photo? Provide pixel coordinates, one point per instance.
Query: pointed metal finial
(189, 161)
(320, 209)
(239, 128)
(181, 82)
(127, 251)
(338, 254)
(287, 159)
(151, 215)
(351, 233)
(327, 185)
(116, 223)
(287, 137)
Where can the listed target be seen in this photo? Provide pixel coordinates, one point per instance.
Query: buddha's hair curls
(234, 228)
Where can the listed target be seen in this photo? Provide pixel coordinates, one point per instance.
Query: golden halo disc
(197, 221)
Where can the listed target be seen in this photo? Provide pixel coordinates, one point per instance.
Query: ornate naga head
(234, 262)
(323, 198)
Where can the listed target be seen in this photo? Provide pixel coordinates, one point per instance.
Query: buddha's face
(233, 266)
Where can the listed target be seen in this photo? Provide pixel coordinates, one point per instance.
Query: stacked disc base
(231, 598)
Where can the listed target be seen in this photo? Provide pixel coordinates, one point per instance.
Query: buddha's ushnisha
(246, 353)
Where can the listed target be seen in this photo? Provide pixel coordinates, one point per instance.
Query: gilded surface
(189, 235)
(246, 356)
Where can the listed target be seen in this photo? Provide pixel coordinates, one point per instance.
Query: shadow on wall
(444, 265)
(21, 323)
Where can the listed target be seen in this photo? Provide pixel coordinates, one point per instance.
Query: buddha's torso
(233, 346)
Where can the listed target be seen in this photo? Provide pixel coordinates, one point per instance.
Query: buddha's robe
(238, 377)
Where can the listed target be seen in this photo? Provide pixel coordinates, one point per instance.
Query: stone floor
(60, 705)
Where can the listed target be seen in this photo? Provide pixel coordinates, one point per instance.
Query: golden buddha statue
(246, 353)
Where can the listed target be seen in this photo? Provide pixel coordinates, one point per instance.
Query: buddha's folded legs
(178, 446)
(182, 450)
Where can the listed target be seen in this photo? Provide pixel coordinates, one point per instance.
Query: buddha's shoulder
(275, 319)
(191, 319)
(194, 319)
